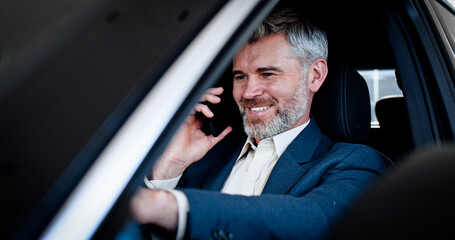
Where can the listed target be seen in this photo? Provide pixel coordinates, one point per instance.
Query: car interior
(364, 35)
(412, 201)
(112, 53)
(342, 108)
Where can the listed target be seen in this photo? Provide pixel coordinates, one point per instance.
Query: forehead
(273, 50)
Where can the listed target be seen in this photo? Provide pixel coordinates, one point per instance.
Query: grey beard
(292, 111)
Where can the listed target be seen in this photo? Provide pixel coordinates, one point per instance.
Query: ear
(317, 72)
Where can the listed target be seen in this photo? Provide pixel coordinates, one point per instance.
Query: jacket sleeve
(305, 212)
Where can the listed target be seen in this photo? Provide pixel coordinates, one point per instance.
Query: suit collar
(280, 141)
(226, 159)
(291, 165)
(287, 171)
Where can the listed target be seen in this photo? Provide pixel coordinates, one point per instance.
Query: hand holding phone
(212, 126)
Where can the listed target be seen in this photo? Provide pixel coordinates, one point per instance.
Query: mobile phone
(215, 125)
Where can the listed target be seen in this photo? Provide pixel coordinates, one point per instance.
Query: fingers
(139, 205)
(204, 109)
(215, 140)
(155, 207)
(215, 91)
(212, 95)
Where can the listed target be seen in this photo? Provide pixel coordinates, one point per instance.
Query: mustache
(257, 102)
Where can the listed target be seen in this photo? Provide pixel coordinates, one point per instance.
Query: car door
(92, 88)
(414, 200)
(425, 64)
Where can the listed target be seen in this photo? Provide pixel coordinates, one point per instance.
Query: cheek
(237, 92)
(278, 91)
(288, 86)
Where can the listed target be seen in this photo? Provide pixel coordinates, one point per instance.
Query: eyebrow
(235, 72)
(271, 68)
(263, 69)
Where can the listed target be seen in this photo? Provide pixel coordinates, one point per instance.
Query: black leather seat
(341, 107)
(394, 138)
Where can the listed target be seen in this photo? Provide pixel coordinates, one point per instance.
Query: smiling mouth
(257, 105)
(259, 109)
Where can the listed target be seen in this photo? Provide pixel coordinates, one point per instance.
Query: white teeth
(258, 109)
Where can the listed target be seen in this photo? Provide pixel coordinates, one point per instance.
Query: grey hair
(308, 43)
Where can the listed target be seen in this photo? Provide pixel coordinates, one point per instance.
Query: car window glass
(447, 19)
(381, 83)
(443, 15)
(450, 3)
(70, 76)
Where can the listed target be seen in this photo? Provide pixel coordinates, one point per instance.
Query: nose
(253, 88)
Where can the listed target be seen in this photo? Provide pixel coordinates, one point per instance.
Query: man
(286, 180)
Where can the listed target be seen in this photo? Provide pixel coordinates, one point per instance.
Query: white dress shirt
(248, 176)
(255, 163)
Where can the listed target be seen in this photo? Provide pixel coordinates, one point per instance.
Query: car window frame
(234, 33)
(423, 74)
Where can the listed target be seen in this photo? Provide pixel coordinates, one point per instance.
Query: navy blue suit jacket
(312, 185)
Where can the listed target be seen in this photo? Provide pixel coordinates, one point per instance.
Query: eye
(240, 77)
(267, 74)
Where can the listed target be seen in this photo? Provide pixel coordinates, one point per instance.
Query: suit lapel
(227, 157)
(291, 165)
(216, 181)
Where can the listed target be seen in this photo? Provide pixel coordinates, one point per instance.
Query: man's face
(269, 87)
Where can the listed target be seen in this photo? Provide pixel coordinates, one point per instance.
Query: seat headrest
(391, 112)
(341, 107)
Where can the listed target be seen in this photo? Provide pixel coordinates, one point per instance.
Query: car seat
(341, 107)
(394, 135)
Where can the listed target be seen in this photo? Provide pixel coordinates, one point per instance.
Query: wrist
(170, 220)
(167, 169)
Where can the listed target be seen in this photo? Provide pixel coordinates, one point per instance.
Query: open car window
(91, 92)
(87, 71)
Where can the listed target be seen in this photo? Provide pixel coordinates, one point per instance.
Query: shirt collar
(281, 141)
